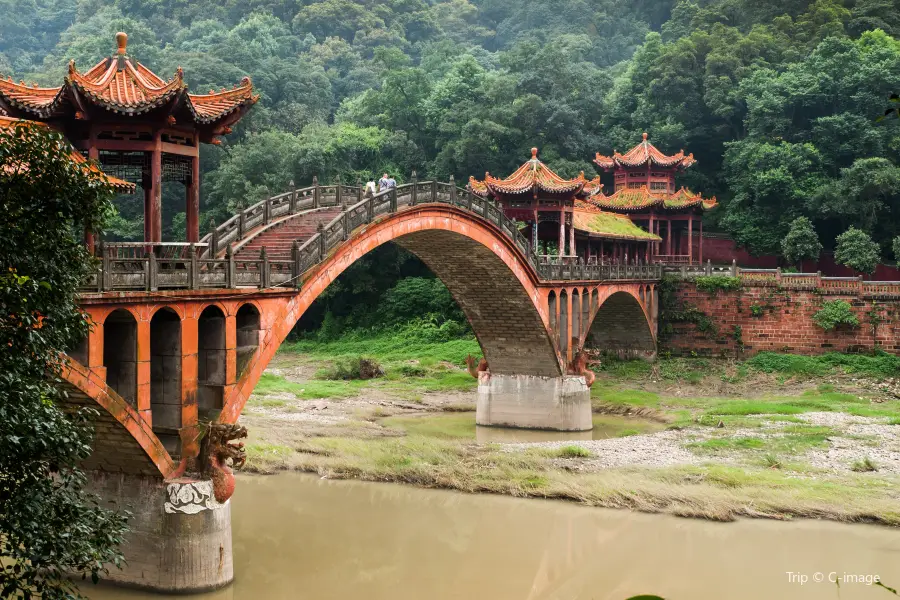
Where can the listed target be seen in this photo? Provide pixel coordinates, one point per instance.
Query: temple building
(645, 191)
(556, 213)
(141, 128)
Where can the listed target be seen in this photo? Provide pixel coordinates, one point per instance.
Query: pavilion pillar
(691, 240)
(669, 237)
(572, 251)
(192, 200)
(153, 195)
(651, 245)
(562, 233)
(700, 258)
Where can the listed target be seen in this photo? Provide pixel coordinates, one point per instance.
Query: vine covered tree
(50, 527)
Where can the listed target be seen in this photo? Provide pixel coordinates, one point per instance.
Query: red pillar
(691, 240)
(190, 433)
(192, 200)
(669, 236)
(701, 241)
(153, 195)
(572, 251)
(562, 233)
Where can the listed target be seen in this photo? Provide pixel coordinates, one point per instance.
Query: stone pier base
(180, 537)
(525, 401)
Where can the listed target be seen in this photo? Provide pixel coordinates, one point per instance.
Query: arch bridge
(182, 333)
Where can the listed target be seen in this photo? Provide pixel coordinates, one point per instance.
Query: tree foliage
(855, 249)
(801, 241)
(49, 526)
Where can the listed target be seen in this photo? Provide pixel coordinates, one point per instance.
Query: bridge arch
(622, 325)
(487, 275)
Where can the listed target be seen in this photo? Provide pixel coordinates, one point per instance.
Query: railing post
(152, 282)
(708, 267)
(293, 206)
(359, 190)
(242, 224)
(861, 288)
(337, 191)
(734, 267)
(101, 274)
(194, 275)
(213, 250)
(263, 268)
(295, 264)
(818, 280)
(393, 197)
(345, 218)
(267, 210)
(777, 276)
(434, 190)
(321, 231)
(415, 189)
(315, 191)
(230, 268)
(452, 191)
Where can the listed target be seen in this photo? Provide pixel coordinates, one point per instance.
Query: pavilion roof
(126, 87)
(634, 200)
(8, 124)
(597, 223)
(533, 176)
(643, 154)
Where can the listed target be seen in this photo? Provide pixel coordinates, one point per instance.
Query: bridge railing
(834, 286)
(198, 266)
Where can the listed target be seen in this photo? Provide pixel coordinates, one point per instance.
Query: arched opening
(165, 377)
(551, 307)
(620, 328)
(576, 317)
(211, 362)
(247, 336)
(120, 354)
(563, 323)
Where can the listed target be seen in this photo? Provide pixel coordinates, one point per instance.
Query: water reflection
(297, 536)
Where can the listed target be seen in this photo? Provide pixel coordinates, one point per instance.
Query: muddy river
(296, 536)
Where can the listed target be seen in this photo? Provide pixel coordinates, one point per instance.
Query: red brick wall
(705, 324)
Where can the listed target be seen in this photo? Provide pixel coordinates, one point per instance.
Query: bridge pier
(531, 402)
(180, 537)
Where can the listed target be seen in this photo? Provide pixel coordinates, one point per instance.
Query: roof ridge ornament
(122, 43)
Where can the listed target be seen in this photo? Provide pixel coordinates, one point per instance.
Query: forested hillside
(778, 99)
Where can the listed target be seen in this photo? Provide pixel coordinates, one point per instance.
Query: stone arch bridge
(182, 334)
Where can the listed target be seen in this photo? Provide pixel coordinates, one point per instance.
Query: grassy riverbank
(776, 436)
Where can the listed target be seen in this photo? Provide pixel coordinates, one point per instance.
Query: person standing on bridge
(370, 189)
(386, 182)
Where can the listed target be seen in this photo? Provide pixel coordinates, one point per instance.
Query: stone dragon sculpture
(579, 366)
(219, 447)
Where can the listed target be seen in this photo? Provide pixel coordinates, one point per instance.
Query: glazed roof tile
(632, 200)
(532, 176)
(124, 86)
(8, 124)
(643, 154)
(601, 224)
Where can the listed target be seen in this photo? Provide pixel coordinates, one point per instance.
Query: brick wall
(769, 318)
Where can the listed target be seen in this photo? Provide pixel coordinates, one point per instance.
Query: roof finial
(645, 136)
(122, 41)
(534, 153)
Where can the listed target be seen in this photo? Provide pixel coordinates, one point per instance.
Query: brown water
(297, 536)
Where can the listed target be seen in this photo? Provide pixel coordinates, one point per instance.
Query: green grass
(308, 390)
(444, 426)
(866, 465)
(611, 395)
(740, 443)
(879, 365)
(572, 451)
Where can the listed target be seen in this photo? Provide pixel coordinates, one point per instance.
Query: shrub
(412, 371)
(866, 465)
(897, 248)
(835, 313)
(855, 249)
(572, 452)
(711, 284)
(355, 368)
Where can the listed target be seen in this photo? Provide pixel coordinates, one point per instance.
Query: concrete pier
(529, 402)
(180, 538)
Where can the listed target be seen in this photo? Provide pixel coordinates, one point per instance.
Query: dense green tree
(801, 242)
(855, 249)
(50, 527)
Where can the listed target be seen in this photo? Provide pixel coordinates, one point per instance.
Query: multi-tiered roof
(536, 179)
(122, 86)
(644, 154)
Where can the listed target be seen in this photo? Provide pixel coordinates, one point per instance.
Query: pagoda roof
(643, 154)
(634, 200)
(8, 124)
(592, 221)
(123, 86)
(534, 176)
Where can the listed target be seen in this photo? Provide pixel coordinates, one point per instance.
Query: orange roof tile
(631, 200)
(9, 124)
(532, 176)
(643, 154)
(127, 87)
